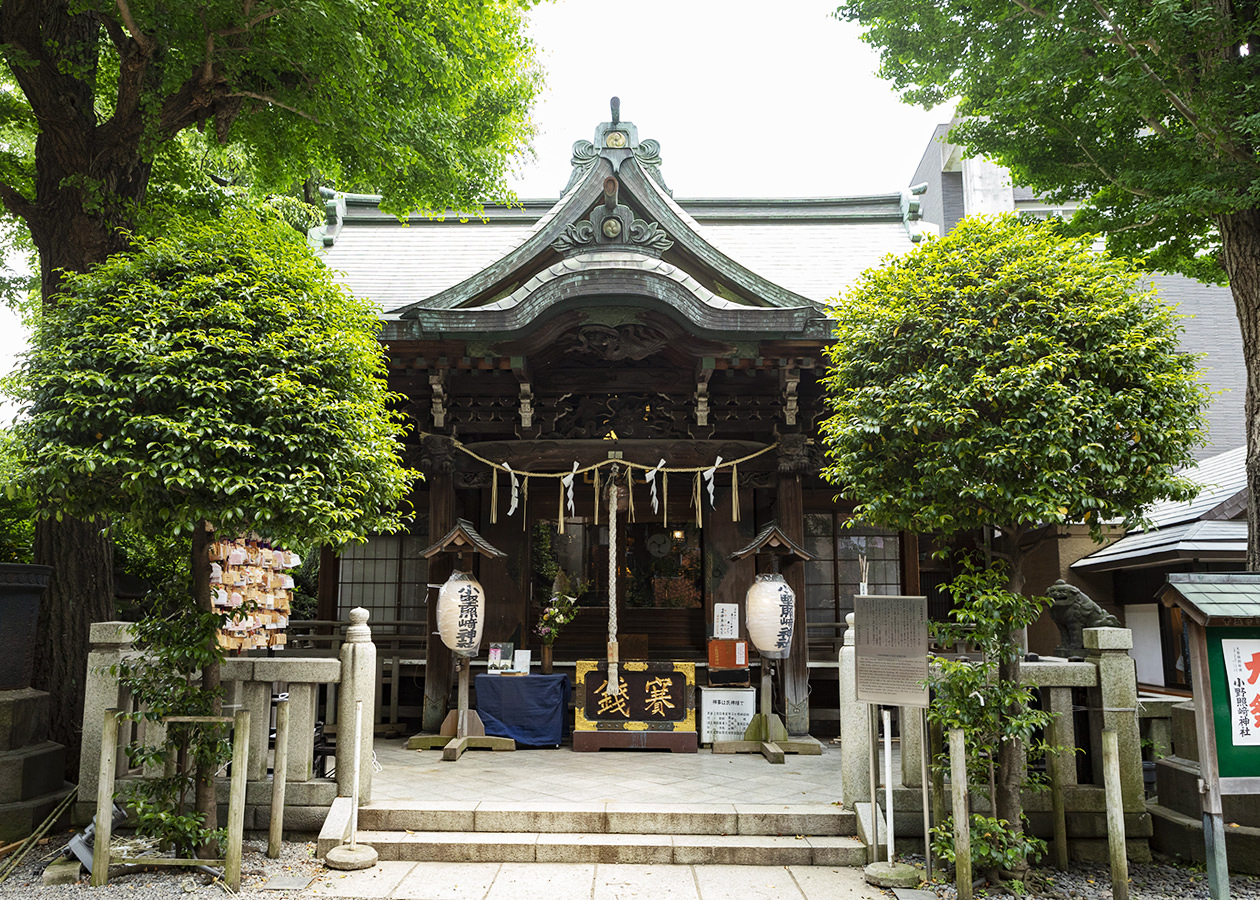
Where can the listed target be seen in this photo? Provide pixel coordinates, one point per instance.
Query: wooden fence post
(105, 798)
(279, 771)
(962, 814)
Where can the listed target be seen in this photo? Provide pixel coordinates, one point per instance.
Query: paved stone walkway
(533, 776)
(538, 881)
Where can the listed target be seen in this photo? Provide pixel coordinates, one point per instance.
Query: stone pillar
(358, 682)
(910, 720)
(302, 731)
(110, 642)
(1108, 649)
(855, 727)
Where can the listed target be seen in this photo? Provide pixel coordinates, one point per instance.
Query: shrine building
(672, 346)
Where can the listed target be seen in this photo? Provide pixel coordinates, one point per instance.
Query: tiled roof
(1215, 598)
(815, 254)
(1223, 477)
(1218, 541)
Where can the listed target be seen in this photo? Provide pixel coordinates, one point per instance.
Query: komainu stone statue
(1073, 611)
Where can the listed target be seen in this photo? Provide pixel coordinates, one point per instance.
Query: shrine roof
(740, 259)
(1215, 598)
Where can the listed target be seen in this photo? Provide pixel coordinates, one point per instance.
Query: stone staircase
(609, 833)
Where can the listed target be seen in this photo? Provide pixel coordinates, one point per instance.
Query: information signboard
(1234, 670)
(891, 644)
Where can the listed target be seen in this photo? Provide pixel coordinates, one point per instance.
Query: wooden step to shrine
(700, 834)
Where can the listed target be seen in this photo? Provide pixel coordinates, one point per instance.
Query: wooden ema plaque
(655, 709)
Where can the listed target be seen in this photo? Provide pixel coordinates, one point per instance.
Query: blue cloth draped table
(529, 709)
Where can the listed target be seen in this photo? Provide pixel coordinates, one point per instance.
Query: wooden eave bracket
(463, 538)
(772, 539)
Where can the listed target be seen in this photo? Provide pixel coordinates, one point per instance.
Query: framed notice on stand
(891, 644)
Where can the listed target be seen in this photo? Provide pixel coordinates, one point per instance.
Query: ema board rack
(250, 581)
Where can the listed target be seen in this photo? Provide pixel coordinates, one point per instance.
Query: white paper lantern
(771, 611)
(461, 611)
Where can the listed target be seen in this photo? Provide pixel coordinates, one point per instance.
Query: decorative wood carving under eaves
(632, 341)
(629, 416)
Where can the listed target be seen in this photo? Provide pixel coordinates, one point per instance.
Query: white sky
(748, 99)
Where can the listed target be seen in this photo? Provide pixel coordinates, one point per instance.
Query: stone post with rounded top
(358, 682)
(855, 726)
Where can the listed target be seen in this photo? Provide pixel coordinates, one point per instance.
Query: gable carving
(629, 416)
(612, 344)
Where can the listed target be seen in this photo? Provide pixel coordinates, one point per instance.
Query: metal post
(872, 715)
(924, 790)
(354, 792)
(888, 778)
(279, 772)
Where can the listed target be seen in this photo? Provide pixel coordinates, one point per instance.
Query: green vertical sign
(1234, 672)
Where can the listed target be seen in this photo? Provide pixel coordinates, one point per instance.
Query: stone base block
(674, 741)
(21, 818)
(1096, 850)
(31, 771)
(62, 871)
(1181, 837)
(23, 718)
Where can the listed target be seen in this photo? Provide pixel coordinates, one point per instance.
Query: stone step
(643, 849)
(610, 818)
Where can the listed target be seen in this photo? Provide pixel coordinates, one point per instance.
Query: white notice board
(726, 621)
(891, 641)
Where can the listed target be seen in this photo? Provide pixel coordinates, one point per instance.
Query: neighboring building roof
(1210, 528)
(1191, 541)
(1224, 494)
(1215, 598)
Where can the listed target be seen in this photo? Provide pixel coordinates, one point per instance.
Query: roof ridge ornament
(612, 222)
(616, 141)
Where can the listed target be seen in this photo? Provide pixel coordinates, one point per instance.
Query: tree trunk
(80, 592)
(1012, 771)
(1240, 242)
(207, 806)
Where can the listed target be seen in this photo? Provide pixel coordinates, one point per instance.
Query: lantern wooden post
(462, 730)
(767, 734)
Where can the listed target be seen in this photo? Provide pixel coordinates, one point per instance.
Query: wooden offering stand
(462, 730)
(766, 734)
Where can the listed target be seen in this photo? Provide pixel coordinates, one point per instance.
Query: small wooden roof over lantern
(463, 539)
(772, 539)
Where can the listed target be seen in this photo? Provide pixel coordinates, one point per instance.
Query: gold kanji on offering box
(653, 696)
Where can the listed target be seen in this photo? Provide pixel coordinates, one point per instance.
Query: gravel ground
(1146, 882)
(296, 859)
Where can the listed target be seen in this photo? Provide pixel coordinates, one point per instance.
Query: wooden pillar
(439, 666)
(328, 586)
(790, 514)
(910, 564)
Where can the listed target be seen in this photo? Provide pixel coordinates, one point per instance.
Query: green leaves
(217, 373)
(1006, 376)
(1146, 110)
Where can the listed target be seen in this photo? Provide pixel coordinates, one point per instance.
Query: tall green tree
(1001, 381)
(213, 379)
(423, 101)
(1146, 111)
